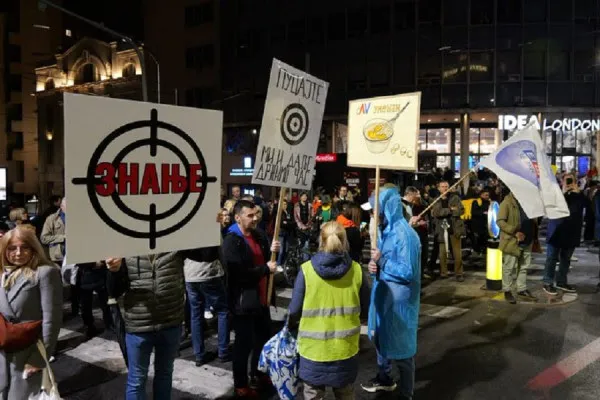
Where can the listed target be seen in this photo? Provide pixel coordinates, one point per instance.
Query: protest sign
(140, 178)
(383, 132)
(290, 130)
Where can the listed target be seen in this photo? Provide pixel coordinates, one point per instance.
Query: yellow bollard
(493, 266)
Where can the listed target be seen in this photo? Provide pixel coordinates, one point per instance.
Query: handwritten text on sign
(290, 129)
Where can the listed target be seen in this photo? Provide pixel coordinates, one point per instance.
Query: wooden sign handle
(276, 237)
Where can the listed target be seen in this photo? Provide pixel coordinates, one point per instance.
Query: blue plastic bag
(279, 359)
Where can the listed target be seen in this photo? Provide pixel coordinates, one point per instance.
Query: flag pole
(465, 176)
(276, 237)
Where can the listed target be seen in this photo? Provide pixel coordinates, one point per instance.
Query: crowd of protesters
(164, 298)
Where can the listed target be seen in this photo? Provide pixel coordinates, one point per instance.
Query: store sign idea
(383, 131)
(140, 178)
(291, 127)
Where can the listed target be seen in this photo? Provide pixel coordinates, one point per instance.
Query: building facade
(28, 35)
(91, 67)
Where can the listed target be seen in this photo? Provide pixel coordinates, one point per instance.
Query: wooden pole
(449, 190)
(276, 237)
(376, 207)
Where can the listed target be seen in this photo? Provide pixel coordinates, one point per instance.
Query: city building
(27, 35)
(473, 61)
(90, 67)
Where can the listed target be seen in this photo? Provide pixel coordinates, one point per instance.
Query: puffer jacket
(155, 297)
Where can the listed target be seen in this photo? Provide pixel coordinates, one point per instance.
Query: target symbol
(294, 124)
(153, 216)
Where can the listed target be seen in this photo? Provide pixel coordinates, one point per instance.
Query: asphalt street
(472, 345)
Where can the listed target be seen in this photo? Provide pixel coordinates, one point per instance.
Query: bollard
(493, 269)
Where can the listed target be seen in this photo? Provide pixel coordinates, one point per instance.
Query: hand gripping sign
(140, 177)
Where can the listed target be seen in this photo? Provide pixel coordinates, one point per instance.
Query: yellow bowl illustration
(378, 133)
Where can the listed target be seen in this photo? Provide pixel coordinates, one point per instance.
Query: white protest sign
(383, 131)
(291, 127)
(140, 178)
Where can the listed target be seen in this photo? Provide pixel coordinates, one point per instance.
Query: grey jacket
(202, 271)
(155, 297)
(27, 300)
(53, 236)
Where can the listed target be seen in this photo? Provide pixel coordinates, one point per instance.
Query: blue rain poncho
(395, 296)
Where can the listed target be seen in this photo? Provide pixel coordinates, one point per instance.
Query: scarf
(345, 222)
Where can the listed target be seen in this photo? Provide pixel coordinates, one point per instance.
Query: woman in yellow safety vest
(328, 298)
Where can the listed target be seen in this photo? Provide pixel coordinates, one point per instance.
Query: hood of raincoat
(331, 265)
(395, 296)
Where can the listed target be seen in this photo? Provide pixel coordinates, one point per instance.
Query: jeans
(515, 268)
(563, 257)
(406, 366)
(212, 292)
(284, 242)
(165, 344)
(251, 334)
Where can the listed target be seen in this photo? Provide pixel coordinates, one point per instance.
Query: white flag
(521, 163)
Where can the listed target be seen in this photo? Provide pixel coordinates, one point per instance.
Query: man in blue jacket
(395, 297)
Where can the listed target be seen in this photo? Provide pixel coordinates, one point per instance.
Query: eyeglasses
(22, 249)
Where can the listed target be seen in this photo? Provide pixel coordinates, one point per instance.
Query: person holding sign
(245, 253)
(395, 296)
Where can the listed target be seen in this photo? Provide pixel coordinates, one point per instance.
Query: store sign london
(512, 122)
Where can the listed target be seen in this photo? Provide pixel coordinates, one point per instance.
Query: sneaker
(551, 290)
(247, 393)
(208, 315)
(376, 385)
(206, 358)
(566, 288)
(52, 359)
(460, 278)
(508, 296)
(526, 295)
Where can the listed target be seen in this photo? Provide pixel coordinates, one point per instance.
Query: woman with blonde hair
(329, 295)
(20, 217)
(30, 290)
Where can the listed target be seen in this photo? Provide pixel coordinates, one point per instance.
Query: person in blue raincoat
(395, 296)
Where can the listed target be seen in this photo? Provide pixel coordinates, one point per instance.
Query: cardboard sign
(290, 130)
(140, 178)
(383, 131)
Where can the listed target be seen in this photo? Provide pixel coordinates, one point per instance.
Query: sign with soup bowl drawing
(383, 131)
(140, 178)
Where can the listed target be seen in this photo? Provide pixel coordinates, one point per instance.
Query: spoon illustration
(391, 121)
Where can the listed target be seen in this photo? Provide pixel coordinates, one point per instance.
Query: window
(454, 95)
(482, 37)
(455, 67)
(583, 94)
(534, 94)
(405, 70)
(379, 74)
(429, 39)
(561, 10)
(584, 8)
(509, 38)
(535, 10)
(508, 66)
(14, 53)
(278, 34)
(508, 94)
(49, 85)
(357, 75)
(534, 65)
(482, 95)
(559, 94)
(196, 97)
(473, 140)
(489, 140)
(430, 11)
(404, 15)
(379, 20)
(422, 141)
(198, 14)
(18, 140)
(15, 83)
(336, 26)
(296, 30)
(200, 57)
(456, 12)
(316, 31)
(430, 97)
(357, 23)
(49, 118)
(20, 171)
(558, 66)
(439, 140)
(481, 67)
(86, 74)
(509, 11)
(429, 66)
(129, 71)
(457, 38)
(15, 112)
(482, 12)
(584, 64)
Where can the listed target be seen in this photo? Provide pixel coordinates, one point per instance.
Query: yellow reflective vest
(330, 323)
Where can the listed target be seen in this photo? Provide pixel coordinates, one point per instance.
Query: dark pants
(406, 367)
(213, 292)
(251, 334)
(87, 299)
(563, 258)
(424, 239)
